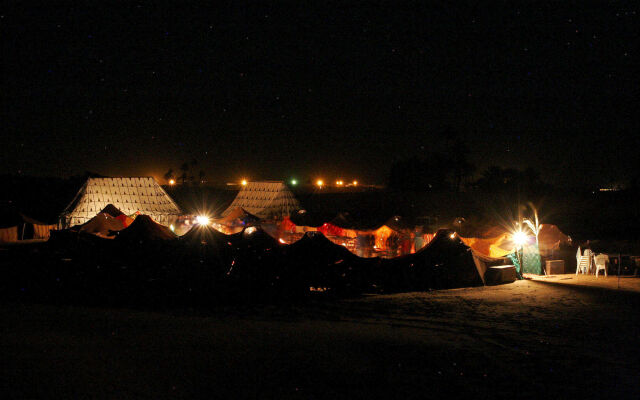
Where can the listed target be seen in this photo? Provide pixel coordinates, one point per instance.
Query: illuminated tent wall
(15, 226)
(130, 195)
(550, 238)
(269, 199)
(346, 233)
(498, 246)
(234, 221)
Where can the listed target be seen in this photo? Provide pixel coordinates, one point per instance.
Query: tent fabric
(269, 199)
(531, 261)
(10, 216)
(17, 226)
(551, 238)
(42, 231)
(500, 245)
(9, 235)
(446, 262)
(203, 234)
(128, 195)
(102, 225)
(236, 217)
(117, 214)
(309, 218)
(513, 257)
(235, 221)
(111, 210)
(145, 229)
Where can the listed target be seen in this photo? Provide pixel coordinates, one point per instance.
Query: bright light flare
(320, 182)
(519, 238)
(282, 241)
(202, 220)
(244, 182)
(355, 183)
(453, 235)
(250, 230)
(294, 182)
(172, 182)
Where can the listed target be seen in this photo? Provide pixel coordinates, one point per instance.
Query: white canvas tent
(268, 199)
(129, 195)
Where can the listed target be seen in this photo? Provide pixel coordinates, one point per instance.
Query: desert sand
(546, 337)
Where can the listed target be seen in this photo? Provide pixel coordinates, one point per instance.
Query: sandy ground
(548, 337)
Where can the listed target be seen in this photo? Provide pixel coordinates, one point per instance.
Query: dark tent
(237, 216)
(111, 210)
(145, 229)
(308, 218)
(446, 262)
(104, 225)
(206, 235)
(321, 263)
(15, 226)
(256, 238)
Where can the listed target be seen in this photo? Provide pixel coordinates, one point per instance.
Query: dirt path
(543, 337)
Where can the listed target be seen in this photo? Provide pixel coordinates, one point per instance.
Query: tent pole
(619, 262)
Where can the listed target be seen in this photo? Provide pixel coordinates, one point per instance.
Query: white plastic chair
(601, 261)
(587, 257)
(583, 262)
(578, 258)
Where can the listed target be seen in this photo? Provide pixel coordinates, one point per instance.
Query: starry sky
(273, 90)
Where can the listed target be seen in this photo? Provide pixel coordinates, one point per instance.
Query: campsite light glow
(519, 238)
(172, 182)
(244, 182)
(294, 182)
(320, 183)
(202, 220)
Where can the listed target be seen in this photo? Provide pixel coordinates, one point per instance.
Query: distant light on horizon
(320, 182)
(244, 182)
(294, 182)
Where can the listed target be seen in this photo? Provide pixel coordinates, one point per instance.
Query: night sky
(287, 89)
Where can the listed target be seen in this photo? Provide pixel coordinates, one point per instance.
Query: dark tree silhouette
(435, 170)
(169, 175)
(185, 172)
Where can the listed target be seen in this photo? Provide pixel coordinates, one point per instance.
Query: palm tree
(185, 169)
(535, 224)
(169, 175)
